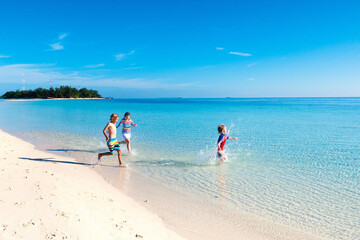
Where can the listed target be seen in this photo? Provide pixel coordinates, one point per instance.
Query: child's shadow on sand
(53, 160)
(70, 150)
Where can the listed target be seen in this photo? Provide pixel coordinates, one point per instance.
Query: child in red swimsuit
(221, 142)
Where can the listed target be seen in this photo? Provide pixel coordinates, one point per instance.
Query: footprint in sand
(58, 235)
(62, 214)
(50, 236)
(37, 185)
(29, 223)
(4, 226)
(20, 203)
(119, 226)
(39, 198)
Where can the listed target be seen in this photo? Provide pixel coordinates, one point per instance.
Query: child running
(126, 131)
(111, 140)
(221, 143)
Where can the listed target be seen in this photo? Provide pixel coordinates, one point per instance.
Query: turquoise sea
(296, 163)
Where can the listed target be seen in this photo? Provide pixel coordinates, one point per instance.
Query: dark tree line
(62, 92)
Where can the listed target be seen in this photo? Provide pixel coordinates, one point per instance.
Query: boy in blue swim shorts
(111, 140)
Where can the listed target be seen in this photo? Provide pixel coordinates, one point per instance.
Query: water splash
(206, 156)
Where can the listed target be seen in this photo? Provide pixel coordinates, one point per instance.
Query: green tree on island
(62, 92)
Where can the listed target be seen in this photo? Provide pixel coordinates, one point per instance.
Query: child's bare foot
(99, 157)
(221, 161)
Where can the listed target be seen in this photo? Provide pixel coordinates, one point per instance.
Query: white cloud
(219, 48)
(240, 54)
(4, 56)
(121, 56)
(62, 36)
(138, 83)
(251, 79)
(251, 64)
(95, 65)
(41, 73)
(56, 46)
(34, 73)
(129, 68)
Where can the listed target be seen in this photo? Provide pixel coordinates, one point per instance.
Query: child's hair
(126, 114)
(114, 115)
(221, 128)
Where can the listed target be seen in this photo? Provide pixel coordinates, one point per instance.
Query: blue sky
(134, 49)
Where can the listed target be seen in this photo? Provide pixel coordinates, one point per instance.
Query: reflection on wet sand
(221, 182)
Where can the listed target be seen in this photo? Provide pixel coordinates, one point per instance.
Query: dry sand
(45, 196)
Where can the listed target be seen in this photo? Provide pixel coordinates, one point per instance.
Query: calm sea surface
(297, 160)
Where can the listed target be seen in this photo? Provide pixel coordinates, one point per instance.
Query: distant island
(62, 92)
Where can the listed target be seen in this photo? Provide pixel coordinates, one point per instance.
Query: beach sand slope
(45, 196)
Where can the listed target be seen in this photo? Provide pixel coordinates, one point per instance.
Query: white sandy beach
(57, 200)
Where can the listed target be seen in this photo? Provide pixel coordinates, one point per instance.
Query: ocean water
(296, 161)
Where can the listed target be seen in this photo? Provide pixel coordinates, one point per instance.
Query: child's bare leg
(222, 159)
(119, 157)
(128, 145)
(100, 155)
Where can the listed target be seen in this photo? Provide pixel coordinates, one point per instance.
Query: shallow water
(296, 162)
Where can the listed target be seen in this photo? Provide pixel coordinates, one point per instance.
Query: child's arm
(121, 122)
(133, 124)
(235, 138)
(104, 131)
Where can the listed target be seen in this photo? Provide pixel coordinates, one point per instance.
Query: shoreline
(49, 196)
(194, 217)
(176, 208)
